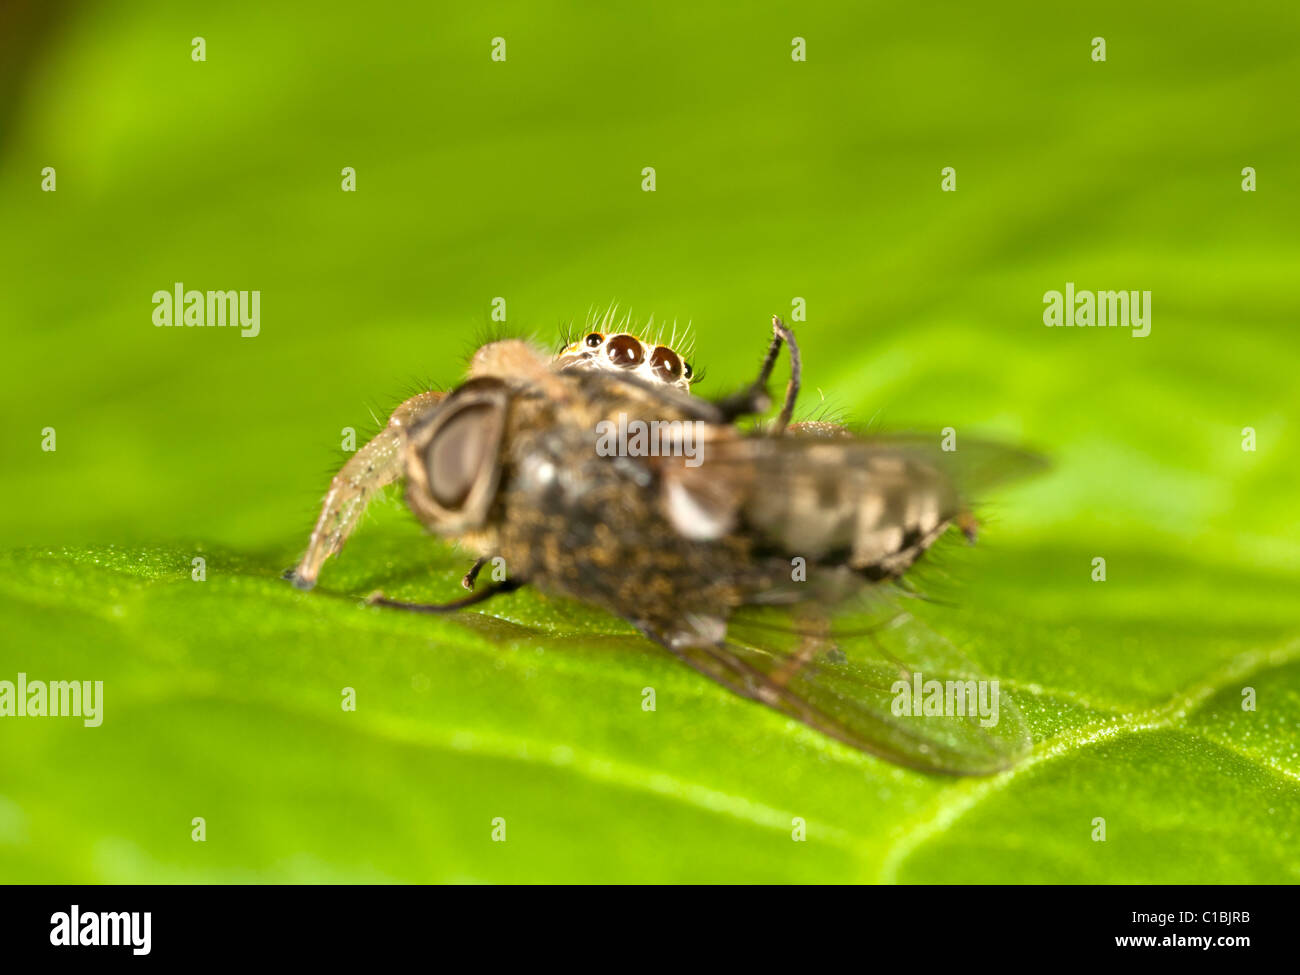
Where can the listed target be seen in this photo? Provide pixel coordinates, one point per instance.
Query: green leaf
(478, 179)
(223, 699)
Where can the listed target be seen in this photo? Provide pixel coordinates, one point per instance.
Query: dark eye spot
(666, 364)
(625, 351)
(687, 371)
(593, 340)
(457, 455)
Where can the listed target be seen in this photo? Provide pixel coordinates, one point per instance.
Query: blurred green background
(522, 179)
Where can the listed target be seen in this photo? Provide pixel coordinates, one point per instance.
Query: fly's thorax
(593, 526)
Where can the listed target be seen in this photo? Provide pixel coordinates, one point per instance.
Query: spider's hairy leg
(376, 465)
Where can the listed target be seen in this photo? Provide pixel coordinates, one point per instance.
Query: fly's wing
(882, 500)
(974, 465)
(873, 676)
(877, 679)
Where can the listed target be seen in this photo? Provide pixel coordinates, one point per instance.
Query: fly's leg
(471, 577)
(496, 589)
(783, 332)
(468, 580)
(755, 399)
(376, 465)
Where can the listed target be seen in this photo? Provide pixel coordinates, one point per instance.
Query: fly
(769, 559)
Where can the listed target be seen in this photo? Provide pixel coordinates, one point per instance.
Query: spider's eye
(458, 454)
(593, 340)
(625, 351)
(687, 371)
(666, 364)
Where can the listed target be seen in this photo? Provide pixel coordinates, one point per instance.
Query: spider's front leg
(373, 467)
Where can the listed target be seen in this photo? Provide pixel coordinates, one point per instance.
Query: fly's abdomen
(845, 502)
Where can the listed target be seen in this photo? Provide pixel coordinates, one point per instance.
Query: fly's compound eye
(457, 453)
(593, 340)
(625, 351)
(666, 364)
(453, 461)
